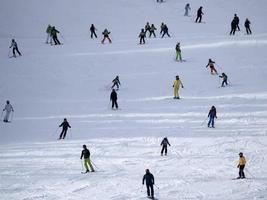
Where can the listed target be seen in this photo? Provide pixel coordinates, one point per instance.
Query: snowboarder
(65, 125)
(212, 114)
(54, 33)
(233, 27)
(247, 26)
(48, 31)
(187, 8)
(212, 68)
(147, 27)
(164, 145)
(241, 165)
(15, 49)
(178, 52)
(142, 36)
(224, 77)
(149, 178)
(162, 28)
(93, 30)
(8, 108)
(113, 99)
(152, 30)
(199, 15)
(106, 35)
(236, 18)
(176, 87)
(116, 82)
(165, 30)
(87, 161)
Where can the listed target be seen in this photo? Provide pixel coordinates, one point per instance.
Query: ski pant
(241, 171)
(93, 34)
(105, 39)
(150, 190)
(211, 121)
(233, 29)
(88, 164)
(164, 149)
(56, 41)
(15, 49)
(115, 84)
(213, 70)
(199, 18)
(178, 55)
(63, 133)
(176, 92)
(248, 30)
(142, 40)
(6, 118)
(49, 38)
(165, 32)
(224, 82)
(152, 33)
(114, 102)
(237, 26)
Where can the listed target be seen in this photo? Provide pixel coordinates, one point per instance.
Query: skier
(149, 178)
(87, 161)
(48, 31)
(164, 145)
(147, 27)
(233, 27)
(224, 77)
(54, 33)
(212, 114)
(241, 165)
(247, 26)
(65, 125)
(236, 18)
(8, 108)
(165, 30)
(92, 30)
(159, 1)
(116, 82)
(212, 68)
(199, 15)
(178, 52)
(187, 8)
(162, 28)
(142, 36)
(176, 87)
(15, 48)
(113, 99)
(106, 35)
(152, 30)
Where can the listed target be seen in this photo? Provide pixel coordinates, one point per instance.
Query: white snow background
(49, 83)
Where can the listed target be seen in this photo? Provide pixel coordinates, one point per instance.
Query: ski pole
(156, 186)
(249, 173)
(94, 164)
(2, 114)
(11, 116)
(109, 105)
(55, 131)
(82, 165)
(142, 187)
(204, 121)
(62, 37)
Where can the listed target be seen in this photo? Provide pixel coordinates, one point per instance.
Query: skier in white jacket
(8, 108)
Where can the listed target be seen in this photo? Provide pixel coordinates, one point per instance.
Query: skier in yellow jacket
(241, 165)
(176, 87)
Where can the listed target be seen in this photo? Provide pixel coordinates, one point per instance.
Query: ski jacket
(116, 81)
(105, 33)
(236, 19)
(113, 96)
(165, 28)
(85, 153)
(14, 44)
(210, 63)
(65, 125)
(147, 27)
(165, 142)
(48, 30)
(187, 7)
(177, 84)
(8, 108)
(152, 28)
(177, 48)
(54, 32)
(199, 12)
(149, 178)
(92, 28)
(247, 23)
(212, 113)
(242, 161)
(233, 24)
(142, 35)
(224, 77)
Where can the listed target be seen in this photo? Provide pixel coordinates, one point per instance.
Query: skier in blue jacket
(212, 114)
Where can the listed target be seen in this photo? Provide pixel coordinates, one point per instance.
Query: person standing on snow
(178, 52)
(233, 27)
(142, 36)
(161, 28)
(241, 165)
(247, 26)
(93, 30)
(147, 27)
(212, 68)
(15, 49)
(199, 15)
(224, 77)
(236, 18)
(165, 30)
(113, 99)
(87, 161)
(54, 33)
(116, 82)
(65, 125)
(164, 145)
(152, 30)
(106, 35)
(176, 87)
(48, 31)
(8, 108)
(212, 115)
(187, 8)
(149, 178)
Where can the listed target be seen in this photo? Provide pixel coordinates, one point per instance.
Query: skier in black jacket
(87, 162)
(142, 36)
(113, 99)
(165, 30)
(116, 82)
(65, 125)
(212, 114)
(224, 77)
(164, 145)
(92, 30)
(236, 18)
(149, 178)
(247, 26)
(233, 27)
(15, 49)
(199, 15)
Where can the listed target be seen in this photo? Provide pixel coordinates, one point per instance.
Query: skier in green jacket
(54, 33)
